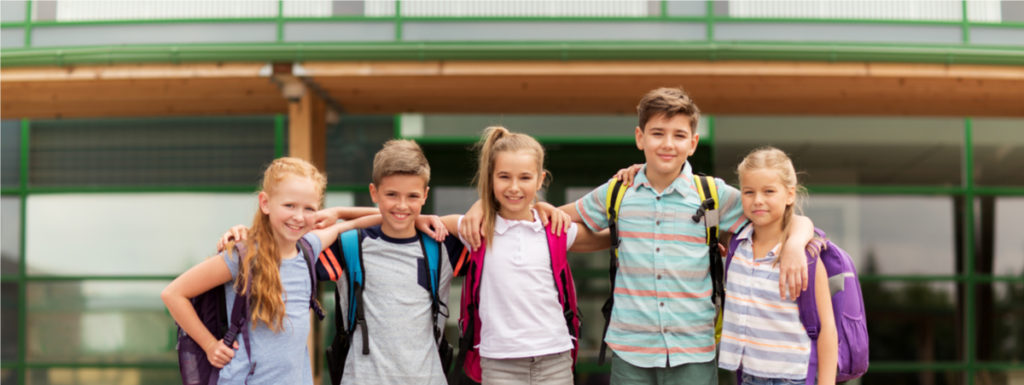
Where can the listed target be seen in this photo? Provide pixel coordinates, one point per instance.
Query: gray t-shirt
(280, 357)
(397, 305)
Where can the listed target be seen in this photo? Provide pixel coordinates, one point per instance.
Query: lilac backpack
(847, 307)
(211, 307)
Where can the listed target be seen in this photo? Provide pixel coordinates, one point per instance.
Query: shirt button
(662, 304)
(659, 276)
(664, 330)
(657, 250)
(657, 223)
(657, 198)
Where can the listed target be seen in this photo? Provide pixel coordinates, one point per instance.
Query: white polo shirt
(520, 315)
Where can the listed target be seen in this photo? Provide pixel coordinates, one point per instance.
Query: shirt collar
(747, 234)
(501, 225)
(682, 185)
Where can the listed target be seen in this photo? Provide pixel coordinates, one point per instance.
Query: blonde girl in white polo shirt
(524, 337)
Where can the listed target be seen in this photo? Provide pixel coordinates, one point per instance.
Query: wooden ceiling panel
(518, 87)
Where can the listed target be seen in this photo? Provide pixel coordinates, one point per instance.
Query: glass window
(1000, 328)
(76, 376)
(162, 152)
(10, 329)
(128, 234)
(10, 234)
(998, 152)
(889, 234)
(351, 144)
(849, 151)
(9, 376)
(1009, 246)
(452, 199)
(10, 160)
(540, 126)
(911, 321)
(948, 377)
(92, 322)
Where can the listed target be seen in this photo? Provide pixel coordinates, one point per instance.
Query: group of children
(662, 327)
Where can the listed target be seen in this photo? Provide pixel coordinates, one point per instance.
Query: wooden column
(307, 129)
(307, 135)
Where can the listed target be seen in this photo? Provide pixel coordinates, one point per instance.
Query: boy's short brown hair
(400, 157)
(668, 101)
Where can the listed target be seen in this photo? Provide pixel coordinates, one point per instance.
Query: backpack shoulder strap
(708, 189)
(432, 252)
(351, 246)
(612, 205)
(314, 292)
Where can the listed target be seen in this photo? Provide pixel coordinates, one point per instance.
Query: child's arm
(330, 234)
(793, 263)
(197, 280)
(828, 344)
(329, 216)
(587, 240)
(472, 222)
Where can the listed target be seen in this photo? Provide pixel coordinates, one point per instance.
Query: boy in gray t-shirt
(396, 297)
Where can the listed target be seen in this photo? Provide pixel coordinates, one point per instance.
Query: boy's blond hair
(667, 101)
(400, 157)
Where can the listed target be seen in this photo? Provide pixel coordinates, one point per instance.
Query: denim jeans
(751, 380)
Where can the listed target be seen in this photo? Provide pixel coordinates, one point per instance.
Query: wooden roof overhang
(536, 87)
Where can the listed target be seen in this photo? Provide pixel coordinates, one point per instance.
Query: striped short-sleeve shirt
(663, 311)
(762, 333)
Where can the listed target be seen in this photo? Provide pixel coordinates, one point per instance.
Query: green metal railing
(399, 48)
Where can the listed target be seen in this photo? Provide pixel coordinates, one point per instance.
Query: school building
(134, 134)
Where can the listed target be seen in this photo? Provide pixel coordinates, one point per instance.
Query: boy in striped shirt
(662, 324)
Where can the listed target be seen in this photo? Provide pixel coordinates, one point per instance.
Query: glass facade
(891, 191)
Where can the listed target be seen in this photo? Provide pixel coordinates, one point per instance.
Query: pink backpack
(469, 318)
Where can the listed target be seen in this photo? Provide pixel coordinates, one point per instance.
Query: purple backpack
(847, 307)
(211, 307)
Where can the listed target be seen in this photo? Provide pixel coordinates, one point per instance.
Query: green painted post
(965, 24)
(970, 321)
(398, 20)
(279, 132)
(22, 269)
(280, 21)
(28, 26)
(709, 20)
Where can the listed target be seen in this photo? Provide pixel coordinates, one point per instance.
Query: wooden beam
(307, 129)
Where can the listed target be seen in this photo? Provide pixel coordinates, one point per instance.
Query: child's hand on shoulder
(559, 220)
(471, 225)
(432, 226)
(627, 174)
(237, 233)
(325, 218)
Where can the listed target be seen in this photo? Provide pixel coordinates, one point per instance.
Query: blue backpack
(211, 307)
(351, 246)
(847, 307)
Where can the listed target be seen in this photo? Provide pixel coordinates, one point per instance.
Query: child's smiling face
(515, 181)
(666, 143)
(400, 198)
(765, 197)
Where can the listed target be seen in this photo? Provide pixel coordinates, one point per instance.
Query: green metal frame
(706, 49)
(969, 278)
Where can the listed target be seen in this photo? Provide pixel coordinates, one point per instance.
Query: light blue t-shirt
(280, 357)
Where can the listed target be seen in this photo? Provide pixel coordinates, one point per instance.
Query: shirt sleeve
(730, 207)
(591, 208)
(570, 235)
(231, 258)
